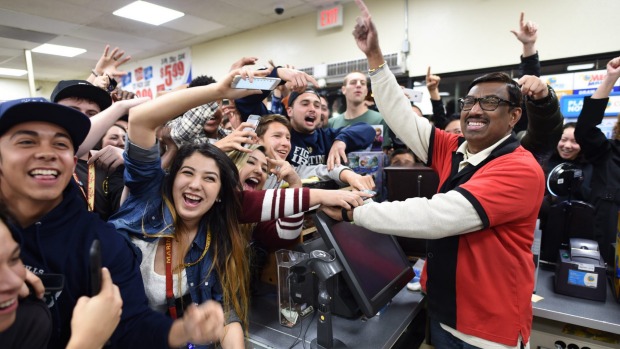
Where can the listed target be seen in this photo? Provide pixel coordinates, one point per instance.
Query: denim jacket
(144, 212)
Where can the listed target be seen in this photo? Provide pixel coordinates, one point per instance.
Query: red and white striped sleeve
(265, 205)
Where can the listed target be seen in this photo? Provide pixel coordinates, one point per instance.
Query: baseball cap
(293, 95)
(81, 89)
(22, 110)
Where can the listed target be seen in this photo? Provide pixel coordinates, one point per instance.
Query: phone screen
(257, 84)
(95, 267)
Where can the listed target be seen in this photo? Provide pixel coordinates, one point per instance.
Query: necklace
(204, 252)
(168, 249)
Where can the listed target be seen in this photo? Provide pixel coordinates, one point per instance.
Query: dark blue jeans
(442, 339)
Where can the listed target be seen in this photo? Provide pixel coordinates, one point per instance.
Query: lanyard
(172, 308)
(90, 187)
(170, 301)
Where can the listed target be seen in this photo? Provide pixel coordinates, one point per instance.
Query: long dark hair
(227, 242)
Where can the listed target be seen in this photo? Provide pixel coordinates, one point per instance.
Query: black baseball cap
(18, 111)
(293, 96)
(81, 89)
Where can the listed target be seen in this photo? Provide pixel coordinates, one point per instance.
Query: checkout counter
(406, 313)
(379, 332)
(554, 311)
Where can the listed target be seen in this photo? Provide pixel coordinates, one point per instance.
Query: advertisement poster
(561, 83)
(571, 105)
(160, 73)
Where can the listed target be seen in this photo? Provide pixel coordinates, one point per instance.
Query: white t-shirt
(155, 284)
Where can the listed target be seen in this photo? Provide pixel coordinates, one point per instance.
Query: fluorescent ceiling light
(580, 66)
(444, 94)
(148, 13)
(12, 72)
(58, 50)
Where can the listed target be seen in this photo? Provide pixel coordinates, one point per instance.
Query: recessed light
(59, 50)
(12, 72)
(580, 66)
(148, 13)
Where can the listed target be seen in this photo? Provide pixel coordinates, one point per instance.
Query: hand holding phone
(95, 267)
(254, 120)
(257, 83)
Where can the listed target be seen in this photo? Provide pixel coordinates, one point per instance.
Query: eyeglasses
(488, 103)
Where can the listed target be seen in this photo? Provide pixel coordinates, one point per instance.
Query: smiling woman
(186, 223)
(15, 331)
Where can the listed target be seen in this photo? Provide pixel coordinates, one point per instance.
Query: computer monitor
(375, 268)
(410, 182)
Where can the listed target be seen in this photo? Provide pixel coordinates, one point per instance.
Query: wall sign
(330, 17)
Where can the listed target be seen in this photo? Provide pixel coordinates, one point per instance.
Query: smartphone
(95, 267)
(265, 83)
(414, 96)
(225, 101)
(254, 120)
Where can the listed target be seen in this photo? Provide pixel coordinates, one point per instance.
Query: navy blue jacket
(60, 242)
(312, 149)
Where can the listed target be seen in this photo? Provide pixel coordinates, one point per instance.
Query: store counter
(381, 331)
(604, 316)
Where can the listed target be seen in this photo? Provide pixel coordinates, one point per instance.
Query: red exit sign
(329, 17)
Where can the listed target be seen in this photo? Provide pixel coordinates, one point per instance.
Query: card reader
(580, 271)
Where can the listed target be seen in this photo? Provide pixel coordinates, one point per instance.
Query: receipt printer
(580, 271)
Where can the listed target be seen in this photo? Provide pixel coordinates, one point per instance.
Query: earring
(218, 200)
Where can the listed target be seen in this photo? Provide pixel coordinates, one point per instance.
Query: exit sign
(329, 18)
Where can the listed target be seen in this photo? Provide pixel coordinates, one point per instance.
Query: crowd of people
(187, 198)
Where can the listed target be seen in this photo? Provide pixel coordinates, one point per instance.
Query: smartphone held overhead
(257, 83)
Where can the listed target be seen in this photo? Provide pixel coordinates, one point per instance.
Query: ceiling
(90, 24)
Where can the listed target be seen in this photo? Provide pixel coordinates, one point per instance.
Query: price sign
(147, 77)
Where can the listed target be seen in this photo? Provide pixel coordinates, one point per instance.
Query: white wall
(449, 35)
(17, 88)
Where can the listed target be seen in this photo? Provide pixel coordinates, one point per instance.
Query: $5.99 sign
(171, 72)
(165, 72)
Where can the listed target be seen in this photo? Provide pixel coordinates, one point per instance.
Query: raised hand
(528, 31)
(237, 139)
(109, 158)
(365, 34)
(613, 67)
(243, 61)
(110, 61)
(432, 81)
(296, 79)
(533, 86)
